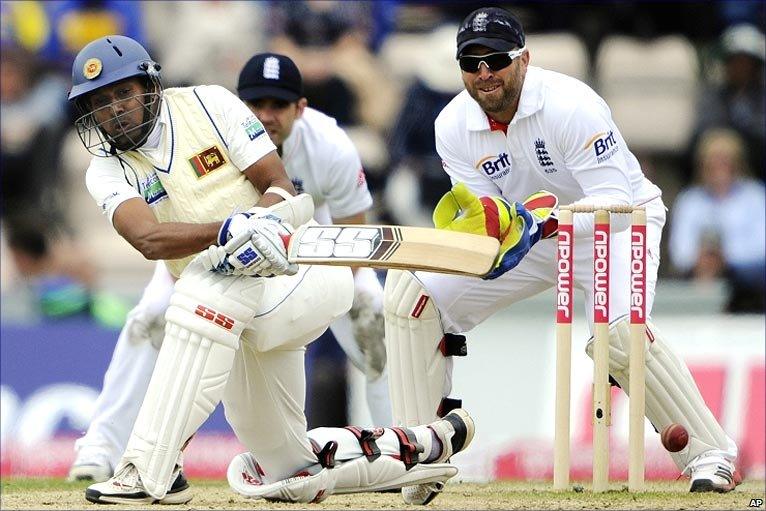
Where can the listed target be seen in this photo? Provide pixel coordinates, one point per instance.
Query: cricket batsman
(189, 176)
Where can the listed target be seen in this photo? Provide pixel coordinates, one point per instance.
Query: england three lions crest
(543, 158)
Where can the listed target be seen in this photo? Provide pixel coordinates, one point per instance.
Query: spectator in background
(738, 102)
(33, 121)
(56, 31)
(705, 241)
(204, 41)
(417, 181)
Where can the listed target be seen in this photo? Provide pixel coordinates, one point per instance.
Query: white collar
(155, 136)
(531, 101)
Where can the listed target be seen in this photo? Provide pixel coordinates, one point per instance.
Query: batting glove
(214, 258)
(261, 250)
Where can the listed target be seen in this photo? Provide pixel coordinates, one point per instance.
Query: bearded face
(497, 92)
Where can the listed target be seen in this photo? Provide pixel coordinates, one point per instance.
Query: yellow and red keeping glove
(512, 224)
(543, 206)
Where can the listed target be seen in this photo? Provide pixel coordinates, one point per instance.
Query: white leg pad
(201, 338)
(672, 395)
(387, 473)
(316, 484)
(245, 478)
(419, 375)
(353, 460)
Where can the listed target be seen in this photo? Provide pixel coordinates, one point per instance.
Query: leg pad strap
(367, 438)
(410, 448)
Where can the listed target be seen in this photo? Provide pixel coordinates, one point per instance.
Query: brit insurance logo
(495, 167)
(604, 145)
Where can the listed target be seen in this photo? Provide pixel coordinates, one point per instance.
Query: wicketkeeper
(517, 129)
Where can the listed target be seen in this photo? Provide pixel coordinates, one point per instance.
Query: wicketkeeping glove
(543, 206)
(515, 227)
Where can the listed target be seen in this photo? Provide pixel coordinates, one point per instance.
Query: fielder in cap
(171, 169)
(516, 141)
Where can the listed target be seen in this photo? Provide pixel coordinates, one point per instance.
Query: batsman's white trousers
(135, 354)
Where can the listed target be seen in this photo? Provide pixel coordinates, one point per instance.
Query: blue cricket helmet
(108, 60)
(102, 63)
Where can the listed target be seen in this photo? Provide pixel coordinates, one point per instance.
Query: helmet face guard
(96, 136)
(107, 130)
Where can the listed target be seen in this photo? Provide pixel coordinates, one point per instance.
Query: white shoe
(90, 465)
(712, 473)
(455, 430)
(125, 487)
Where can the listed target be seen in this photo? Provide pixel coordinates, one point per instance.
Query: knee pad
(418, 352)
(202, 332)
(672, 395)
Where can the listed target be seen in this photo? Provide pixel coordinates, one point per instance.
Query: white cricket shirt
(241, 136)
(322, 161)
(562, 139)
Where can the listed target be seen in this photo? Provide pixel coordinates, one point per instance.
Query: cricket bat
(392, 246)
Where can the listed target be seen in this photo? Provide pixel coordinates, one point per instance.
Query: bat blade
(391, 246)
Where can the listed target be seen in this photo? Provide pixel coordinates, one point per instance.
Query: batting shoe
(712, 473)
(91, 464)
(455, 431)
(125, 487)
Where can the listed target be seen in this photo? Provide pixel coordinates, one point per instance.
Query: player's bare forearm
(135, 222)
(173, 240)
(267, 172)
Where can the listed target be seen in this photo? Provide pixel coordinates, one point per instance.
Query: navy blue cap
(492, 27)
(270, 75)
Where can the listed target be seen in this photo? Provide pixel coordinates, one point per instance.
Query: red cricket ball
(674, 437)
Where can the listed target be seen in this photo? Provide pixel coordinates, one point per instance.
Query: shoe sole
(706, 485)
(438, 488)
(179, 497)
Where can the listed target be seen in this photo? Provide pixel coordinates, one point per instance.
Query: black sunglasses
(494, 61)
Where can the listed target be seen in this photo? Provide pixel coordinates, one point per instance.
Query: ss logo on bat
(339, 242)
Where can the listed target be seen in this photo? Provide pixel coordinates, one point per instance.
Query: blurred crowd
(384, 70)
